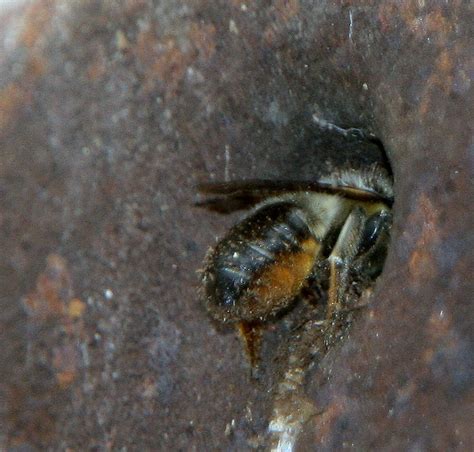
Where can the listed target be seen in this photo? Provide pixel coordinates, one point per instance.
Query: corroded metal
(110, 113)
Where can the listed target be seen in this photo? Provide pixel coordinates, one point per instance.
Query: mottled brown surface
(110, 112)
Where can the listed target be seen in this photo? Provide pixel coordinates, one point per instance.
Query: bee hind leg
(361, 246)
(373, 249)
(251, 335)
(341, 259)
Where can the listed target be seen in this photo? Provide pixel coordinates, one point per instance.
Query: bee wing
(228, 204)
(237, 195)
(227, 197)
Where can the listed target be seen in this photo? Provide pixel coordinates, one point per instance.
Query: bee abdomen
(260, 266)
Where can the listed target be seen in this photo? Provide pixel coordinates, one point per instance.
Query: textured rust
(111, 112)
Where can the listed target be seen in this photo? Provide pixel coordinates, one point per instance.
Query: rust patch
(419, 21)
(52, 304)
(438, 23)
(238, 3)
(326, 420)
(38, 17)
(17, 94)
(12, 97)
(163, 60)
(76, 308)
(53, 289)
(439, 324)
(65, 360)
(434, 25)
(133, 7)
(202, 38)
(438, 329)
(440, 80)
(149, 388)
(444, 63)
(97, 69)
(285, 10)
(171, 64)
(144, 47)
(55, 328)
(269, 35)
(37, 425)
(421, 264)
(386, 13)
(35, 68)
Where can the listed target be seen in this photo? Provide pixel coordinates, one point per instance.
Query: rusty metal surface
(110, 112)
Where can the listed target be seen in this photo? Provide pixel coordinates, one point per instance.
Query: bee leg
(374, 245)
(341, 258)
(251, 334)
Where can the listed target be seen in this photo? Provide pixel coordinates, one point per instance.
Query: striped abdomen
(261, 265)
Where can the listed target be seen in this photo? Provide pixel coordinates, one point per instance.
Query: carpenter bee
(260, 266)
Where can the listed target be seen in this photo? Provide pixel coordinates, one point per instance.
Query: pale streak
(235, 272)
(261, 251)
(351, 23)
(227, 161)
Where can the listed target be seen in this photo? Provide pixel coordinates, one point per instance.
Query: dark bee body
(262, 263)
(259, 268)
